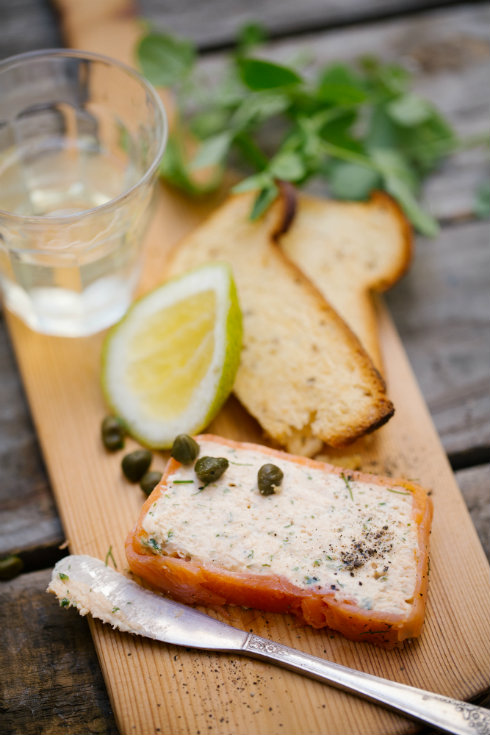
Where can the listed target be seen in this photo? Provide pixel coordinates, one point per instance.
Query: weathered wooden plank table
(50, 678)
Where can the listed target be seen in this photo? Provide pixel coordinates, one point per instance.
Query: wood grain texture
(98, 507)
(450, 360)
(29, 523)
(448, 52)
(24, 481)
(56, 685)
(78, 703)
(18, 36)
(216, 22)
(153, 688)
(442, 308)
(475, 486)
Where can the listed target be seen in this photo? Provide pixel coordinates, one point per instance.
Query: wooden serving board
(158, 688)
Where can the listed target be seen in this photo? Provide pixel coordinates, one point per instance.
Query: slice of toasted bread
(350, 250)
(303, 374)
(347, 551)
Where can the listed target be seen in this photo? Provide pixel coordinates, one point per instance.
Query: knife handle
(450, 715)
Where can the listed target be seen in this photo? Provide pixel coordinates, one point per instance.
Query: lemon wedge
(170, 363)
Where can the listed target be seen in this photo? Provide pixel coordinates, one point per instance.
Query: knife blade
(92, 587)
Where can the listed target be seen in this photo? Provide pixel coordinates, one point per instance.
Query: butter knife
(93, 587)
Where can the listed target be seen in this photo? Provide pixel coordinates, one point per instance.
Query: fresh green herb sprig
(358, 126)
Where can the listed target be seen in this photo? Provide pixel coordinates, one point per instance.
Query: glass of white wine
(81, 139)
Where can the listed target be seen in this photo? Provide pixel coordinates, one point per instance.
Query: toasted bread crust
(304, 374)
(351, 250)
(209, 584)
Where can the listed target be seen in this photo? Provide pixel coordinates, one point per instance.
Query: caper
(10, 567)
(269, 478)
(135, 464)
(149, 481)
(210, 469)
(184, 449)
(112, 431)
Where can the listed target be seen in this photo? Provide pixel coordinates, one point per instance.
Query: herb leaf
(409, 110)
(259, 181)
(351, 181)
(400, 181)
(357, 126)
(289, 166)
(175, 168)
(263, 199)
(258, 74)
(249, 36)
(213, 150)
(165, 59)
(339, 85)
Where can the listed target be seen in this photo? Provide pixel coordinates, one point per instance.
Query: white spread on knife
(73, 584)
(353, 539)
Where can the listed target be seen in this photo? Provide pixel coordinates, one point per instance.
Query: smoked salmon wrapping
(202, 581)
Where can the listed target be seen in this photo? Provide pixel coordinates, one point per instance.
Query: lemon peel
(170, 363)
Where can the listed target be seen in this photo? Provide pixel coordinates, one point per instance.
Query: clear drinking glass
(81, 137)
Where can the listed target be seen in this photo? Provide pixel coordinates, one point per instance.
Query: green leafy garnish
(258, 74)
(165, 60)
(358, 127)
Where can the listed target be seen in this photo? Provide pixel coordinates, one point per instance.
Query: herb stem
(350, 156)
(110, 556)
(367, 117)
(450, 144)
(251, 151)
(347, 484)
(398, 492)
